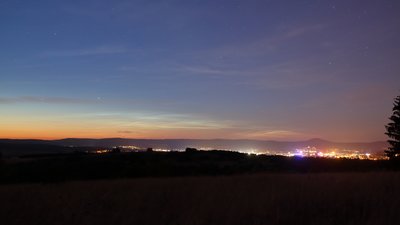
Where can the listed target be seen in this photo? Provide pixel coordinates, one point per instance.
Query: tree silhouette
(191, 150)
(393, 131)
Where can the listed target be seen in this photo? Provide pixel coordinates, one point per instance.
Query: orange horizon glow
(173, 133)
(56, 135)
(42, 123)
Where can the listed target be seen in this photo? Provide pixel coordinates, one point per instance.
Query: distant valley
(31, 146)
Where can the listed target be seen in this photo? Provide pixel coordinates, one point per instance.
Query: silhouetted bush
(191, 150)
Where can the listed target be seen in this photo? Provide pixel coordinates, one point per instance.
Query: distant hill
(11, 148)
(228, 144)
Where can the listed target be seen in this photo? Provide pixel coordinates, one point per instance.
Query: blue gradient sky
(284, 70)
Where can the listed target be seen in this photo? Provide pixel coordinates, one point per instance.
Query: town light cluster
(311, 152)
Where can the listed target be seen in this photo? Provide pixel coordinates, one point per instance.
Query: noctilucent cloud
(250, 69)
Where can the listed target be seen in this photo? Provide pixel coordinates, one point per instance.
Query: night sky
(272, 70)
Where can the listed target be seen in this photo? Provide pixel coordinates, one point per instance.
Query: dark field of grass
(69, 167)
(284, 198)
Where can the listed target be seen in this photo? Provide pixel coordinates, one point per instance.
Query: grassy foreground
(311, 198)
(70, 167)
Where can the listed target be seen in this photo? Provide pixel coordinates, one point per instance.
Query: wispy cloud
(265, 44)
(301, 30)
(201, 70)
(178, 70)
(291, 74)
(223, 61)
(101, 50)
(271, 134)
(175, 121)
(47, 100)
(149, 120)
(125, 132)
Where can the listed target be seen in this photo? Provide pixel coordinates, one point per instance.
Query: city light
(306, 152)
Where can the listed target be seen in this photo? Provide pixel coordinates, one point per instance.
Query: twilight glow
(254, 69)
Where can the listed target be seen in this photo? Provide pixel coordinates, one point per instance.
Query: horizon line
(227, 139)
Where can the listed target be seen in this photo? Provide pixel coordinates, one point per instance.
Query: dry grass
(324, 198)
